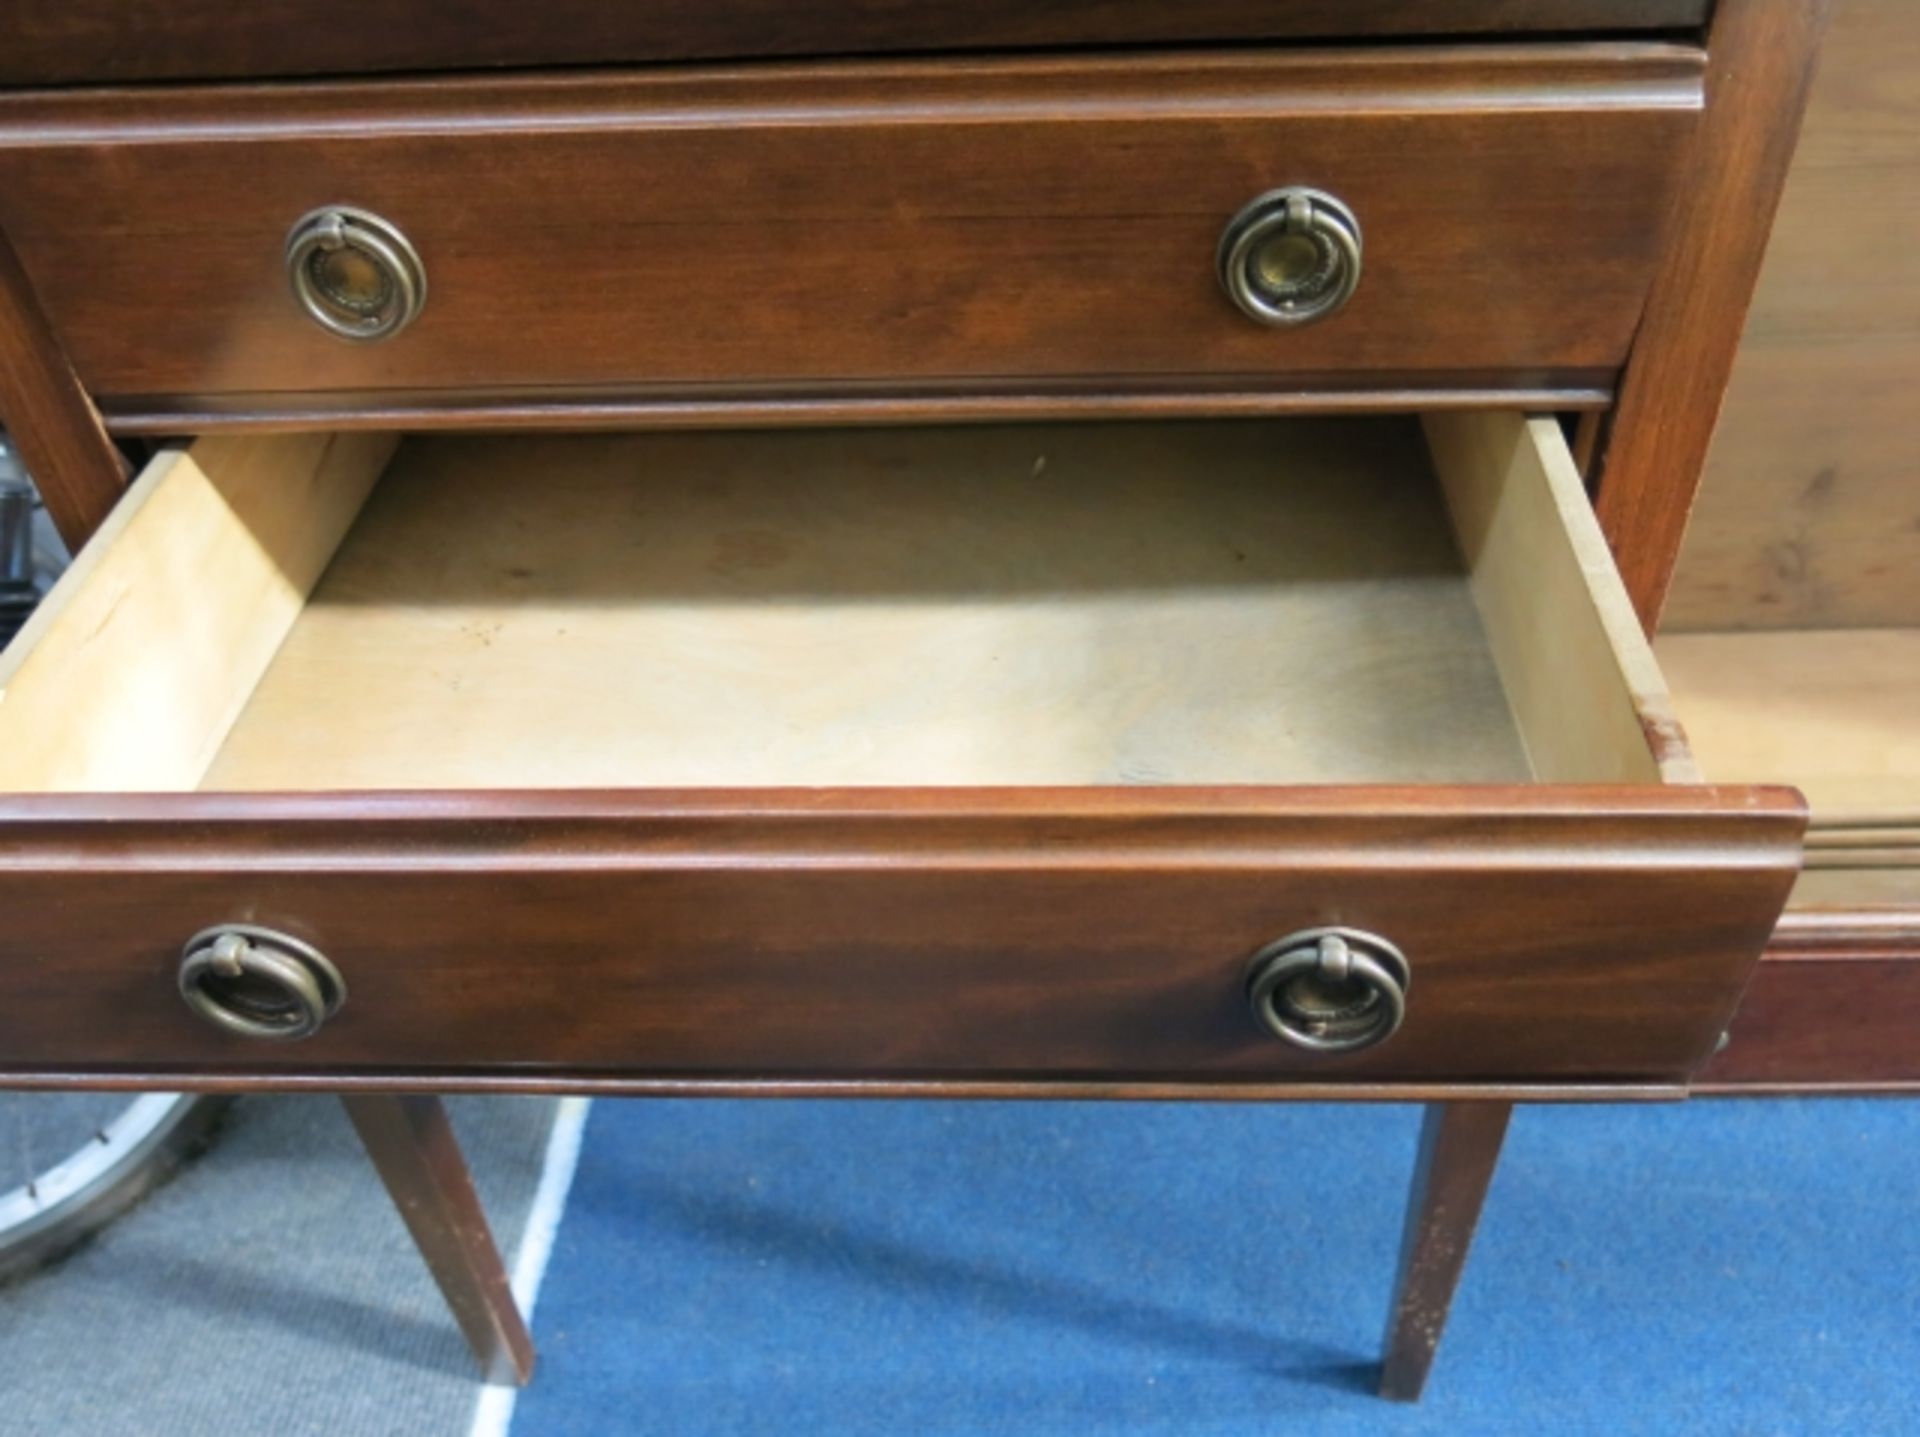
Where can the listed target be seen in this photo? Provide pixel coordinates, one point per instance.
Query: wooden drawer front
(886, 225)
(882, 935)
(875, 755)
(203, 39)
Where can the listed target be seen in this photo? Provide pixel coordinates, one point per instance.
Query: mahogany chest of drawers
(1063, 561)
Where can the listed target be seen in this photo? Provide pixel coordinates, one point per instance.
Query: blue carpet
(1038, 1270)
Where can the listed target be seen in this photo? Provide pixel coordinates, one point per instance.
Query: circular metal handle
(259, 983)
(1291, 256)
(1329, 990)
(354, 273)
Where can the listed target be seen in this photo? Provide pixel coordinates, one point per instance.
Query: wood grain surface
(1835, 1004)
(1088, 935)
(1585, 691)
(1200, 603)
(130, 673)
(508, 1082)
(1835, 712)
(1058, 604)
(1761, 57)
(411, 1143)
(1807, 536)
(1809, 515)
(1554, 935)
(786, 406)
(889, 222)
(49, 418)
(87, 39)
(1459, 1149)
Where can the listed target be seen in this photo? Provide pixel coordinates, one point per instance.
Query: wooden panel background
(1807, 535)
(1834, 712)
(1809, 515)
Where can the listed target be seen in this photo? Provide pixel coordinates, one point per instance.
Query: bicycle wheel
(79, 1160)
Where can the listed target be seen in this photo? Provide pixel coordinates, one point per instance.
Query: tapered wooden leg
(414, 1150)
(1459, 1146)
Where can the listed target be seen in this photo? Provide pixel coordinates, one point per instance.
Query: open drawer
(971, 757)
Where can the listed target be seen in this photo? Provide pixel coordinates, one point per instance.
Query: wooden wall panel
(1760, 61)
(1809, 515)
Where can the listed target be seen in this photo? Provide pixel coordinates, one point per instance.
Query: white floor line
(493, 1414)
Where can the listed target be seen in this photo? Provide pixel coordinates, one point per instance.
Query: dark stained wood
(845, 404)
(1585, 441)
(1459, 1149)
(1835, 1006)
(1760, 67)
(612, 250)
(52, 423)
(187, 39)
(1097, 935)
(604, 1085)
(412, 1146)
(1809, 527)
(891, 222)
(1824, 1027)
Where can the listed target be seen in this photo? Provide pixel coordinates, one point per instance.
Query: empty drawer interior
(1286, 602)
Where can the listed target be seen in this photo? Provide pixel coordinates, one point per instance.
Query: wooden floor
(1217, 603)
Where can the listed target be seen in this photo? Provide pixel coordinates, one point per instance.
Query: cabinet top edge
(1347, 81)
(86, 41)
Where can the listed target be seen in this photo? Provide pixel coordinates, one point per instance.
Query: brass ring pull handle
(258, 983)
(1290, 257)
(354, 273)
(1329, 990)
